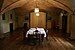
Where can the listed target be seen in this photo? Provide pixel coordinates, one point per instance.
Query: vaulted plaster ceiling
(29, 5)
(1, 2)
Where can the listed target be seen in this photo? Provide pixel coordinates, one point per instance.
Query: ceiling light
(37, 14)
(36, 10)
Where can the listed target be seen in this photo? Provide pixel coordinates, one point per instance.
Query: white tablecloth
(31, 30)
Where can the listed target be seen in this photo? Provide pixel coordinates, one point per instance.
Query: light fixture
(36, 10)
(37, 14)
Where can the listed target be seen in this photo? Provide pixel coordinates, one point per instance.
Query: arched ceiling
(1, 2)
(29, 5)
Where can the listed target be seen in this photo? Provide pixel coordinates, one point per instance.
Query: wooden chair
(46, 34)
(35, 37)
(42, 37)
(39, 37)
(31, 39)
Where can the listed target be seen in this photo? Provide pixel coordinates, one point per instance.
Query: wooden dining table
(36, 34)
(40, 31)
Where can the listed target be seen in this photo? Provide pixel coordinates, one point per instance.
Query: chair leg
(47, 38)
(42, 39)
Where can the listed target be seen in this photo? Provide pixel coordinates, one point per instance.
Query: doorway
(11, 27)
(64, 23)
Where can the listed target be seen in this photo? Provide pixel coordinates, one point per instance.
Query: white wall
(5, 24)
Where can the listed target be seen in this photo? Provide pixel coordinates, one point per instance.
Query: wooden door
(42, 20)
(38, 21)
(11, 27)
(33, 20)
